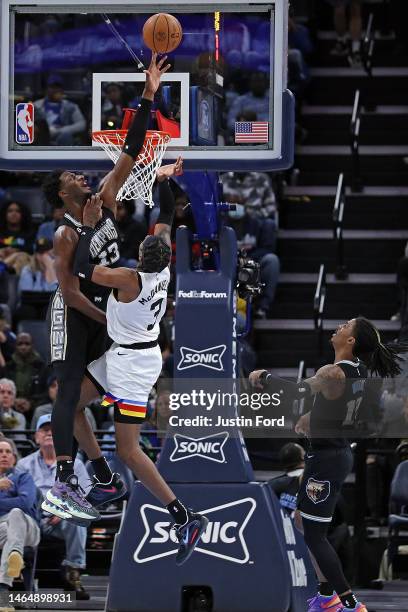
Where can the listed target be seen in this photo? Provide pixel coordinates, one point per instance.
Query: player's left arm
(135, 136)
(328, 380)
(124, 279)
(167, 201)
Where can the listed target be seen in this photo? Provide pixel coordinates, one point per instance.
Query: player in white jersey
(129, 369)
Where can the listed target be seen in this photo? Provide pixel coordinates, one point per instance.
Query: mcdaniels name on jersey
(162, 286)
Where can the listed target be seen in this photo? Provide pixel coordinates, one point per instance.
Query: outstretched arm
(135, 136)
(167, 201)
(116, 278)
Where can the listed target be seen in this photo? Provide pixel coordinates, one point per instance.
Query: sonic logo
(317, 490)
(224, 537)
(209, 447)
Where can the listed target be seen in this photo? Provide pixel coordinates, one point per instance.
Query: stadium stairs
(375, 220)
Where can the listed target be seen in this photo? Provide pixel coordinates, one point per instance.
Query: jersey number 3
(156, 307)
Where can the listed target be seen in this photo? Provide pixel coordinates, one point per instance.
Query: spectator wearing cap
(42, 465)
(47, 406)
(18, 515)
(64, 118)
(28, 371)
(10, 419)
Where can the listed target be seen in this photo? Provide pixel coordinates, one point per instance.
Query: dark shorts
(75, 340)
(324, 474)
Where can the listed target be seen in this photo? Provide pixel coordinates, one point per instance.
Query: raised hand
(153, 74)
(169, 170)
(92, 212)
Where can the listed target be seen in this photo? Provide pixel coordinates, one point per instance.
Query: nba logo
(24, 123)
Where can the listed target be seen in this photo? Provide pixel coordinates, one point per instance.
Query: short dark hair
(51, 186)
(291, 455)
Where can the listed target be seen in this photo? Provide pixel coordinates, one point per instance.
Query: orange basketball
(162, 33)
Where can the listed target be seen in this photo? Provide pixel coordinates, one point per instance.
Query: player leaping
(129, 369)
(76, 315)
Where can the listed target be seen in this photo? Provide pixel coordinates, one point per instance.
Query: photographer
(258, 240)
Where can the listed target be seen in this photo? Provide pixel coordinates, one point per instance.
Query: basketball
(162, 33)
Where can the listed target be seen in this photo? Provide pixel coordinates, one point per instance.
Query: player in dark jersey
(337, 390)
(76, 315)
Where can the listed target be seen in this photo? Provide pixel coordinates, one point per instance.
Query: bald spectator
(18, 515)
(10, 419)
(28, 371)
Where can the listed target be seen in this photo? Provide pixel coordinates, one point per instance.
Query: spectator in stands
(113, 103)
(18, 515)
(42, 466)
(255, 190)
(47, 229)
(28, 371)
(10, 419)
(16, 235)
(342, 47)
(46, 407)
(258, 240)
(256, 101)
(7, 340)
(286, 487)
(64, 117)
(131, 233)
(36, 283)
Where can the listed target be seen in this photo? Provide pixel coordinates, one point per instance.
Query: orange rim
(116, 137)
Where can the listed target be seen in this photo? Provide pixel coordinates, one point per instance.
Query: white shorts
(127, 376)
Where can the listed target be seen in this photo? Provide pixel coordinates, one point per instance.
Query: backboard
(68, 68)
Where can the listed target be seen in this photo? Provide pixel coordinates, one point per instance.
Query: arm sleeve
(137, 131)
(26, 496)
(82, 267)
(167, 203)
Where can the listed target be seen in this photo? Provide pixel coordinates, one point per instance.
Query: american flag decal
(251, 131)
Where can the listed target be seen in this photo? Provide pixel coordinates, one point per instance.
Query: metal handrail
(338, 214)
(318, 308)
(367, 47)
(298, 407)
(355, 124)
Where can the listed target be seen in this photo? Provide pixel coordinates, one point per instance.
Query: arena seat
(31, 196)
(398, 517)
(39, 334)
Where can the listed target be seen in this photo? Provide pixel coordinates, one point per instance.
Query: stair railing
(367, 46)
(338, 214)
(355, 124)
(318, 309)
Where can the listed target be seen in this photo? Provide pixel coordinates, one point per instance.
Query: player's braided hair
(51, 186)
(381, 359)
(155, 254)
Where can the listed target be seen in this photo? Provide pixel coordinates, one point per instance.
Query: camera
(248, 277)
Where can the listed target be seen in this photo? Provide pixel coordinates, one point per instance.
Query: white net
(140, 181)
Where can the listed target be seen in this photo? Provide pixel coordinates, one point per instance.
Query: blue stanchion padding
(203, 191)
(300, 568)
(205, 358)
(240, 558)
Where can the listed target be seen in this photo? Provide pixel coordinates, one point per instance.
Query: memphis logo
(126, 407)
(225, 537)
(317, 490)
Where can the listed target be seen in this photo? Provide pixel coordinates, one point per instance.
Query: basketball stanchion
(250, 558)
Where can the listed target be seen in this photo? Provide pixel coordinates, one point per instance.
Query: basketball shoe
(70, 497)
(189, 535)
(102, 493)
(360, 607)
(319, 602)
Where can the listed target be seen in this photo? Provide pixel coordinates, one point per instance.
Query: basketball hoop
(140, 181)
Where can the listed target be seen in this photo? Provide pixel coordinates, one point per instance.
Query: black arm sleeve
(290, 390)
(137, 131)
(82, 267)
(167, 203)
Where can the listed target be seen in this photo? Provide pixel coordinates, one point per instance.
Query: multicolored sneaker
(70, 497)
(189, 535)
(62, 514)
(360, 607)
(102, 492)
(319, 602)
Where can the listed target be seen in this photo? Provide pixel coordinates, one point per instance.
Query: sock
(178, 512)
(349, 600)
(65, 469)
(102, 470)
(355, 46)
(325, 589)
